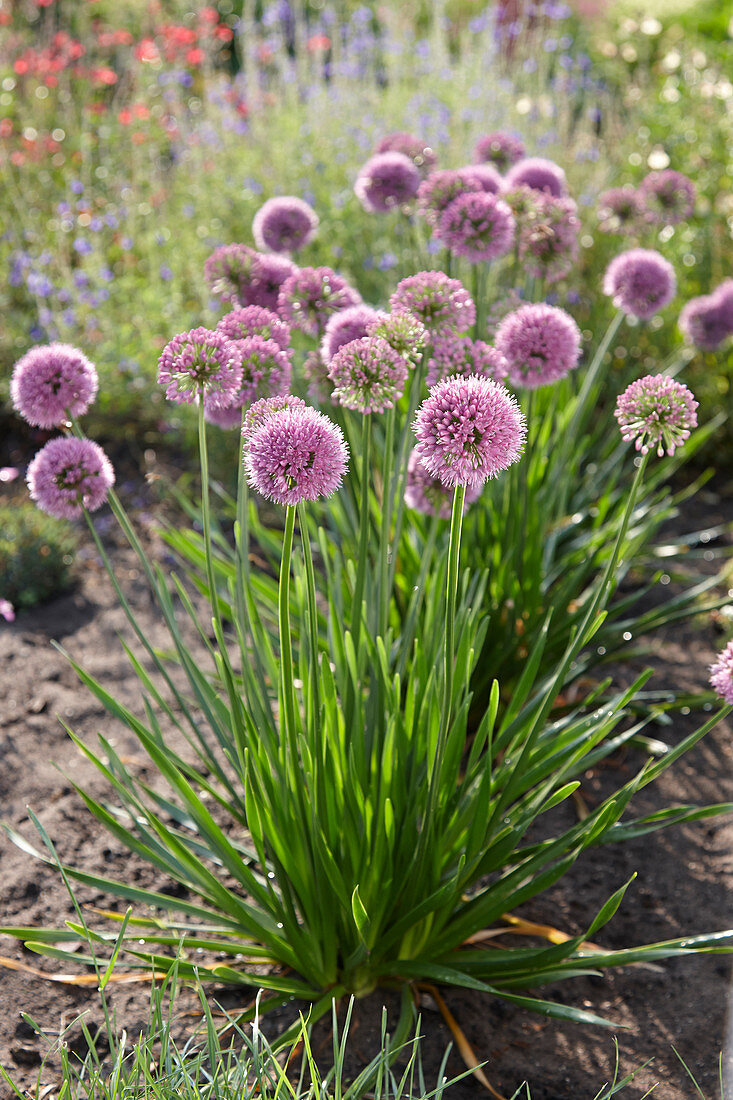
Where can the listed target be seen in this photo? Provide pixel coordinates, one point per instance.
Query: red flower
(319, 42)
(146, 50)
(195, 57)
(104, 76)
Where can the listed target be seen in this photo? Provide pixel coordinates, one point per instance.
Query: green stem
(312, 621)
(524, 470)
(361, 565)
(451, 590)
(387, 506)
(206, 525)
(287, 717)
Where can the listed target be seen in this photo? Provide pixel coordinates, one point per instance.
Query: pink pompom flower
(309, 297)
(262, 410)
(7, 611)
(386, 181)
(721, 675)
(51, 383)
(538, 173)
(368, 375)
(200, 361)
(421, 155)
(540, 343)
(345, 326)
(656, 412)
(668, 196)
(620, 210)
(441, 303)
(469, 430)
(255, 321)
(477, 225)
(500, 149)
(403, 331)
(68, 475)
(640, 282)
(265, 372)
(296, 454)
(440, 189)
(238, 274)
(548, 229)
(284, 224)
(427, 494)
(460, 355)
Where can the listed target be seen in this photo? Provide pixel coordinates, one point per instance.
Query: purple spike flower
(51, 383)
(640, 282)
(460, 355)
(478, 225)
(403, 331)
(441, 303)
(421, 155)
(244, 277)
(255, 321)
(668, 196)
(70, 474)
(386, 181)
(345, 326)
(368, 375)
(200, 360)
(308, 298)
(721, 675)
(540, 343)
(427, 494)
(656, 412)
(297, 454)
(500, 149)
(620, 210)
(469, 430)
(284, 224)
(539, 174)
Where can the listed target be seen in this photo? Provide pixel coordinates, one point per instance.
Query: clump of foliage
(36, 554)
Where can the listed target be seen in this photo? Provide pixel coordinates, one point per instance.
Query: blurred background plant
(36, 554)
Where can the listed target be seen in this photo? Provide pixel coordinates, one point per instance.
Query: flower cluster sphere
(68, 475)
(296, 454)
(51, 383)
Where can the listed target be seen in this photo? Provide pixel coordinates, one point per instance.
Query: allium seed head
(297, 454)
(477, 225)
(500, 149)
(721, 675)
(469, 430)
(309, 297)
(200, 361)
(539, 174)
(284, 224)
(70, 474)
(345, 326)
(460, 355)
(668, 196)
(441, 303)
(368, 375)
(50, 383)
(656, 413)
(640, 282)
(427, 494)
(255, 321)
(540, 343)
(386, 181)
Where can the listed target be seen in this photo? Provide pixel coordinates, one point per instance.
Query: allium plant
(368, 375)
(50, 384)
(478, 226)
(68, 476)
(421, 155)
(310, 296)
(547, 232)
(284, 224)
(668, 196)
(656, 413)
(255, 321)
(241, 276)
(540, 344)
(461, 355)
(386, 182)
(441, 303)
(500, 149)
(538, 173)
(347, 325)
(640, 282)
(620, 210)
(707, 321)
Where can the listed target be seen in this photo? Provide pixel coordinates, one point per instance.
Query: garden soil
(683, 884)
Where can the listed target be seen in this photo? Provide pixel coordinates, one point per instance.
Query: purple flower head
(703, 322)
(656, 412)
(345, 326)
(441, 303)
(403, 331)
(386, 181)
(368, 375)
(721, 675)
(500, 149)
(427, 494)
(440, 189)
(200, 360)
(668, 196)
(225, 418)
(255, 321)
(723, 298)
(262, 410)
(620, 210)
(70, 474)
(461, 356)
(238, 274)
(297, 454)
(284, 224)
(309, 297)
(539, 174)
(320, 386)
(421, 155)
(486, 175)
(265, 371)
(640, 282)
(548, 232)
(540, 343)
(52, 382)
(469, 430)
(477, 225)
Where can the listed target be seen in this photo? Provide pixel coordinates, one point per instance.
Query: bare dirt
(683, 884)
